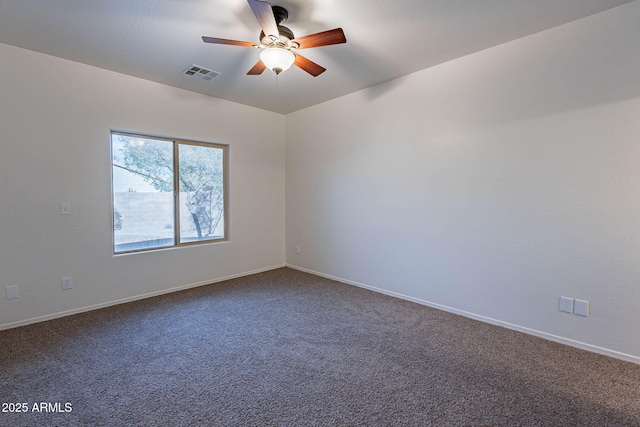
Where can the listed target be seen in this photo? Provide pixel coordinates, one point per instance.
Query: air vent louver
(198, 72)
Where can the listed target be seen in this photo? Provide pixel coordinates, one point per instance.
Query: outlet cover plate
(65, 208)
(566, 304)
(12, 292)
(67, 283)
(581, 308)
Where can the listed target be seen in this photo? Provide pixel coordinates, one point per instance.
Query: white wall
(55, 119)
(490, 185)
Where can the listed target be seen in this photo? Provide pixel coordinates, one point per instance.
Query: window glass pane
(201, 178)
(143, 200)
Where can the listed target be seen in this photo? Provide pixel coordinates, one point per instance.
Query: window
(167, 192)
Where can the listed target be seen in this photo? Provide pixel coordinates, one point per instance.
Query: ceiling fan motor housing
(286, 35)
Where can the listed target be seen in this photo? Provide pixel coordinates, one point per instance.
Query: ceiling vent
(198, 72)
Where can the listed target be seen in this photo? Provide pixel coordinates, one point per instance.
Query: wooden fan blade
(264, 15)
(325, 38)
(309, 66)
(257, 69)
(226, 41)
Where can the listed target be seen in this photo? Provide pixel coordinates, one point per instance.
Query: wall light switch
(581, 308)
(13, 292)
(65, 208)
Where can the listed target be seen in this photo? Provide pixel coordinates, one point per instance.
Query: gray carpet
(285, 348)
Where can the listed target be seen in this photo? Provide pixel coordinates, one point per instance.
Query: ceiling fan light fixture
(277, 59)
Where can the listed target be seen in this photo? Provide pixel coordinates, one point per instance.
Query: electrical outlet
(67, 283)
(581, 308)
(65, 208)
(12, 292)
(566, 304)
(298, 250)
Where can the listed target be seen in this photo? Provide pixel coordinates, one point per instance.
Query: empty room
(310, 213)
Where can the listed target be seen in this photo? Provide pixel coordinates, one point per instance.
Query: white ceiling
(158, 39)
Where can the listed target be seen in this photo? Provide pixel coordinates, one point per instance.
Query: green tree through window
(201, 180)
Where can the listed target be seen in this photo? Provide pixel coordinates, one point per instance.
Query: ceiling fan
(278, 42)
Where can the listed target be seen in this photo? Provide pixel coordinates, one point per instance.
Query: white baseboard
(545, 335)
(131, 299)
